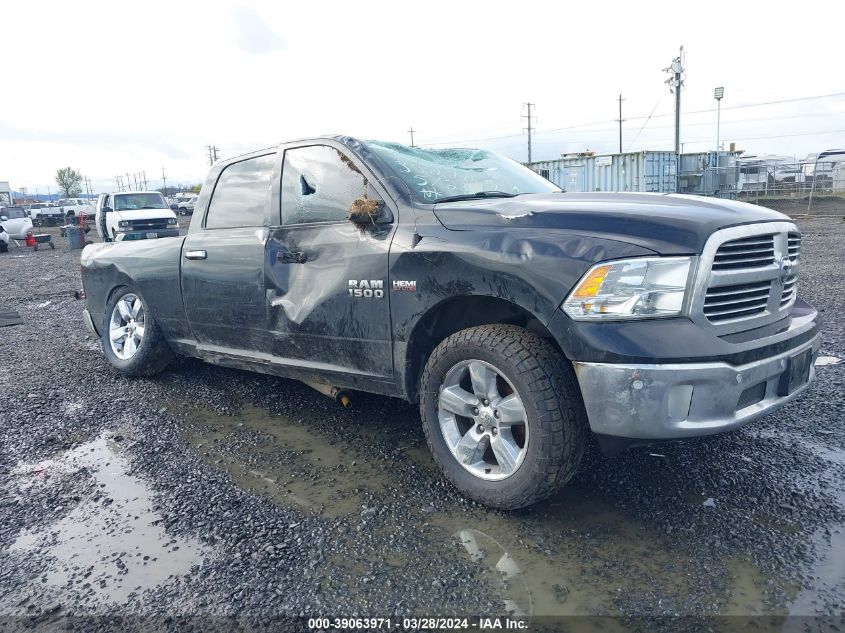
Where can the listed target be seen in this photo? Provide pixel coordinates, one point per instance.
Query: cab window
(319, 184)
(241, 194)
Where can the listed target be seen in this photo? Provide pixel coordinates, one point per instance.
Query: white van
(134, 215)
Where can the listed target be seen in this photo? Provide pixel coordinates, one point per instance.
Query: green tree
(69, 181)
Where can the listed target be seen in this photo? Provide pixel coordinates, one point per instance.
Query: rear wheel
(132, 340)
(503, 415)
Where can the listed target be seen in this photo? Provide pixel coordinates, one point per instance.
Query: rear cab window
(241, 195)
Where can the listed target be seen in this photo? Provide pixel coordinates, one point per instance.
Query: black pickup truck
(521, 318)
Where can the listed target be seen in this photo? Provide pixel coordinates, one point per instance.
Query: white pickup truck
(73, 207)
(134, 215)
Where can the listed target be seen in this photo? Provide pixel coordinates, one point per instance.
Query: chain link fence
(796, 188)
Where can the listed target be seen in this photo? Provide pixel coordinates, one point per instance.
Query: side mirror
(3, 218)
(107, 209)
(365, 211)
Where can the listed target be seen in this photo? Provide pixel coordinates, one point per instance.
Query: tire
(35, 246)
(4, 247)
(152, 353)
(556, 427)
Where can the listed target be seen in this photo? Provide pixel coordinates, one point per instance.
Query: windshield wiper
(150, 207)
(477, 196)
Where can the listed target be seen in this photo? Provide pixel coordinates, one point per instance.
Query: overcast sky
(115, 87)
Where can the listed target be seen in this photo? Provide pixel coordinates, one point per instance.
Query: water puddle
(578, 556)
(112, 545)
(288, 460)
(575, 554)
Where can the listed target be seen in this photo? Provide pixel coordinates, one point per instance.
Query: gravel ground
(213, 493)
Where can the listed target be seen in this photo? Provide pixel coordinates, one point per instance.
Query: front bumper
(659, 401)
(89, 323)
(145, 233)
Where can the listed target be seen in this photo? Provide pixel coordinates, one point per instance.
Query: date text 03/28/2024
(417, 624)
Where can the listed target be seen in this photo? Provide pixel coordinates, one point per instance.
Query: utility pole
(529, 129)
(411, 132)
(212, 153)
(620, 120)
(144, 174)
(164, 178)
(717, 95)
(128, 182)
(49, 195)
(676, 82)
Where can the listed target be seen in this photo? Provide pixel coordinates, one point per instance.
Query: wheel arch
(453, 315)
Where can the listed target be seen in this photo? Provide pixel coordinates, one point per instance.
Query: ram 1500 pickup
(521, 318)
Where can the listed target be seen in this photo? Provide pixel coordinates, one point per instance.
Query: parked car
(15, 222)
(520, 318)
(134, 215)
(178, 199)
(186, 206)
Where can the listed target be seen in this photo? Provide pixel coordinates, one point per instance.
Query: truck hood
(144, 214)
(670, 224)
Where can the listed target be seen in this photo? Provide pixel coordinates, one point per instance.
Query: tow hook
(338, 394)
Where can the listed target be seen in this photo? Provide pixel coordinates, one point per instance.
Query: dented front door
(327, 277)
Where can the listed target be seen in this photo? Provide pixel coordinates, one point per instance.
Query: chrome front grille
(146, 225)
(738, 301)
(794, 246)
(748, 277)
(748, 252)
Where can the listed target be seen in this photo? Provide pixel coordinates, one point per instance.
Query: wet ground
(215, 492)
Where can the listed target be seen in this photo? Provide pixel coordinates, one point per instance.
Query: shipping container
(632, 171)
(709, 174)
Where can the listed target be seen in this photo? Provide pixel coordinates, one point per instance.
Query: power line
(642, 117)
(637, 135)
(760, 138)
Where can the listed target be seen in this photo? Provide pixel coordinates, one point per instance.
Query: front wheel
(503, 416)
(132, 341)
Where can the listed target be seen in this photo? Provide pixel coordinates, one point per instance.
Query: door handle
(196, 254)
(292, 257)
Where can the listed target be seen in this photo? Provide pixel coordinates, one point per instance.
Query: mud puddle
(288, 460)
(579, 556)
(112, 545)
(575, 554)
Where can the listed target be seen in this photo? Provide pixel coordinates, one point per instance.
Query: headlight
(637, 288)
(171, 220)
(124, 224)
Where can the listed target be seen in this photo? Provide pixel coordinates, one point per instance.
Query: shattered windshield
(436, 174)
(135, 201)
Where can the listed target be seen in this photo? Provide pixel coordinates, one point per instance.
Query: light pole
(717, 95)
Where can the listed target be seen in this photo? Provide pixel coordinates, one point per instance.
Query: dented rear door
(326, 277)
